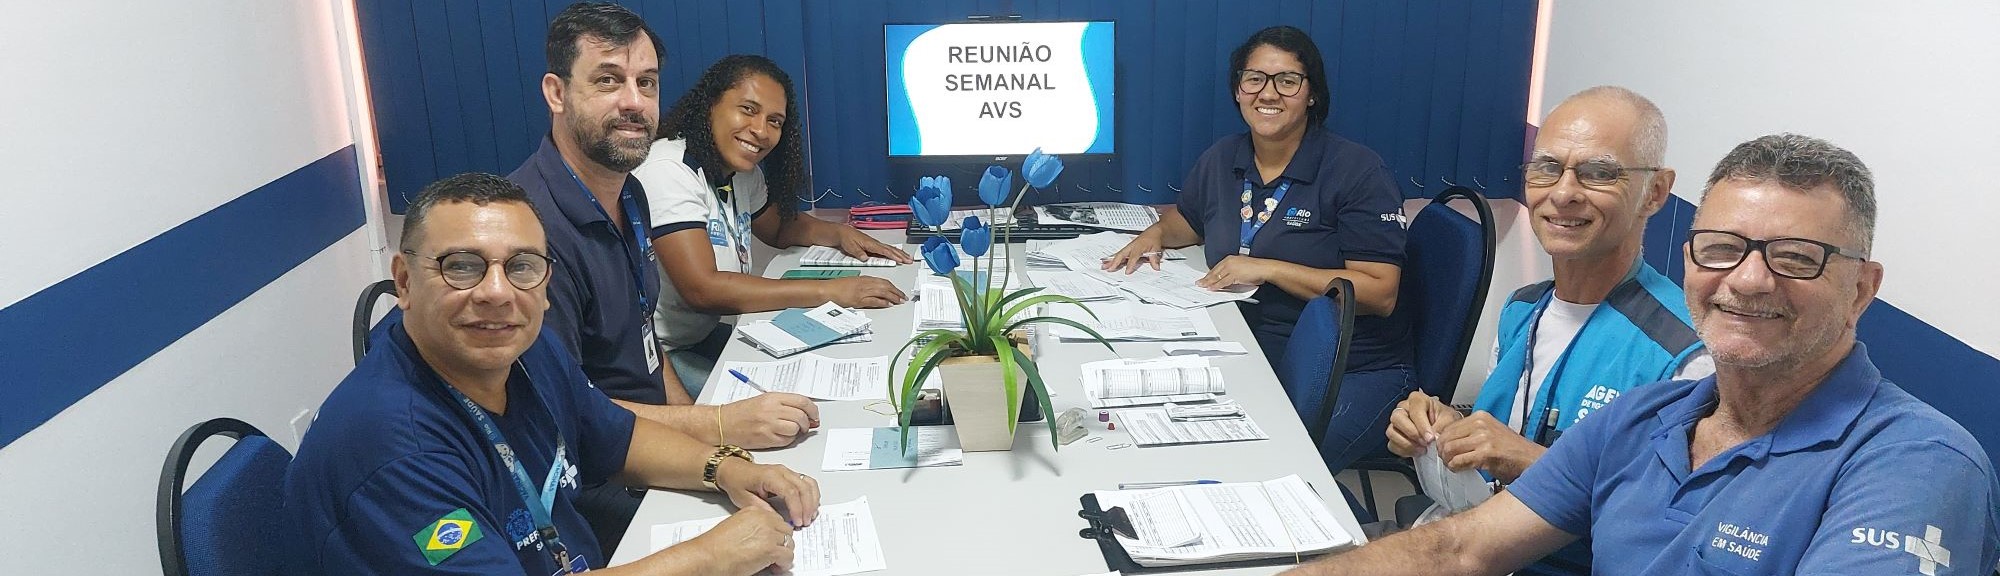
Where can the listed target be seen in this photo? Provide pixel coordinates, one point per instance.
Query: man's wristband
(715, 463)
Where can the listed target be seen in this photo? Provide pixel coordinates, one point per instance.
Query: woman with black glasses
(1288, 206)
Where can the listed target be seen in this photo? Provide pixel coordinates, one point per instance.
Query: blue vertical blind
(1438, 87)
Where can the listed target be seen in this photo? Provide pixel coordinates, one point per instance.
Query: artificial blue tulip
(1040, 169)
(932, 203)
(994, 186)
(939, 255)
(976, 237)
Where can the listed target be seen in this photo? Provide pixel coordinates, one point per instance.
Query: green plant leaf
(971, 314)
(1017, 294)
(1066, 321)
(1008, 383)
(895, 397)
(1024, 305)
(921, 364)
(1041, 392)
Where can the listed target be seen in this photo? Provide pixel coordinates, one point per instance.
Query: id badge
(577, 565)
(650, 344)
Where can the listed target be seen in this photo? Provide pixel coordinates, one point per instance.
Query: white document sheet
(842, 541)
(1127, 320)
(1173, 284)
(1074, 285)
(1236, 521)
(1152, 427)
(997, 217)
(882, 448)
(1203, 349)
(1113, 215)
(1163, 519)
(1119, 382)
(1456, 491)
(810, 375)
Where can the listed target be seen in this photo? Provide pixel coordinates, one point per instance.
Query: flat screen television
(992, 91)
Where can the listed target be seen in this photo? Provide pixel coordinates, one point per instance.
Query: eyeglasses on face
(1597, 174)
(464, 269)
(1253, 81)
(1796, 258)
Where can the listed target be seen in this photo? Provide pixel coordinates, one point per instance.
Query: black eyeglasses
(1594, 174)
(464, 269)
(1796, 258)
(1253, 81)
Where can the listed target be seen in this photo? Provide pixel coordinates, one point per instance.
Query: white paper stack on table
(1156, 427)
(937, 300)
(882, 448)
(830, 256)
(1119, 382)
(1230, 522)
(1173, 284)
(797, 330)
(1113, 215)
(1127, 320)
(842, 541)
(810, 375)
(998, 217)
(1073, 284)
(1086, 251)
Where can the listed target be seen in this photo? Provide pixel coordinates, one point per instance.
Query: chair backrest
(228, 522)
(1447, 268)
(364, 310)
(1316, 356)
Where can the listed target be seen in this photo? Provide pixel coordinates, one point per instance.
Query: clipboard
(1115, 557)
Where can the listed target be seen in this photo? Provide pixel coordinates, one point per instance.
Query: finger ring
(802, 476)
(788, 541)
(1400, 409)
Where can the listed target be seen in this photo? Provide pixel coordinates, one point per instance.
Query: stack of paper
(1113, 215)
(1154, 427)
(829, 256)
(1119, 383)
(1173, 284)
(1230, 522)
(937, 301)
(842, 541)
(798, 329)
(1086, 252)
(881, 448)
(1126, 320)
(956, 220)
(1073, 284)
(810, 375)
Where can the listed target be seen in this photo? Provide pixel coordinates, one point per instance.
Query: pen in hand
(745, 378)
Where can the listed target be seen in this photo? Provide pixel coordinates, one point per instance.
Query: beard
(602, 146)
(1811, 335)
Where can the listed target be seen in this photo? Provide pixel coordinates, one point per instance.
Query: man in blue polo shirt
(1796, 457)
(458, 445)
(1605, 323)
(602, 89)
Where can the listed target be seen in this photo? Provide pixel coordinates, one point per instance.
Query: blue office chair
(1447, 269)
(1316, 357)
(364, 310)
(229, 522)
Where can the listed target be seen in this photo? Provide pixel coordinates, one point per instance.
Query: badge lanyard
(541, 507)
(1250, 228)
(737, 232)
(638, 238)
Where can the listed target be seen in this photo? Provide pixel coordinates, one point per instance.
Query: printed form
(841, 541)
(810, 375)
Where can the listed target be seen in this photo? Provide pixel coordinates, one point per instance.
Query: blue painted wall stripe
(70, 339)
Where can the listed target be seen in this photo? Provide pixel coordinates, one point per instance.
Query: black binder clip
(1107, 523)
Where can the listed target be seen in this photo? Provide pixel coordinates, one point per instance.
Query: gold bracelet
(720, 439)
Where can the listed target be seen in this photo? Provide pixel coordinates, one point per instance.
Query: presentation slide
(1000, 89)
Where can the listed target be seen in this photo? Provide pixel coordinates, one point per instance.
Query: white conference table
(1015, 512)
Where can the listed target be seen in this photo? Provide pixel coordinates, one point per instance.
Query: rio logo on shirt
(446, 536)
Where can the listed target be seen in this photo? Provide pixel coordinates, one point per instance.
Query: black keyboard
(1022, 232)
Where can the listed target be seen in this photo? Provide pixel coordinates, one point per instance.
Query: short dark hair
(1295, 41)
(602, 21)
(478, 188)
(1803, 163)
(784, 169)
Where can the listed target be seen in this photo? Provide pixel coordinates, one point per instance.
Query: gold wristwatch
(715, 463)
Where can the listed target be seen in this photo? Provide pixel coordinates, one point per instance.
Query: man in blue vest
(1796, 457)
(461, 442)
(1605, 323)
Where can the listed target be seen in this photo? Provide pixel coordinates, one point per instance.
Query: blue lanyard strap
(1254, 221)
(541, 506)
(635, 259)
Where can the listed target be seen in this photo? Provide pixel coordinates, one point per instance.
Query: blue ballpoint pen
(746, 380)
(1144, 485)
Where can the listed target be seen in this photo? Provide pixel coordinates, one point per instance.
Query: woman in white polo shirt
(729, 164)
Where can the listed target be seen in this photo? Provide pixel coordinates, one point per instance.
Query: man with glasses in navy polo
(460, 443)
(1796, 457)
(602, 89)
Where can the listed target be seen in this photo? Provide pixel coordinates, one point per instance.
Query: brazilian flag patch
(447, 536)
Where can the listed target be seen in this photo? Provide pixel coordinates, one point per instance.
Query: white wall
(122, 121)
(1907, 86)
